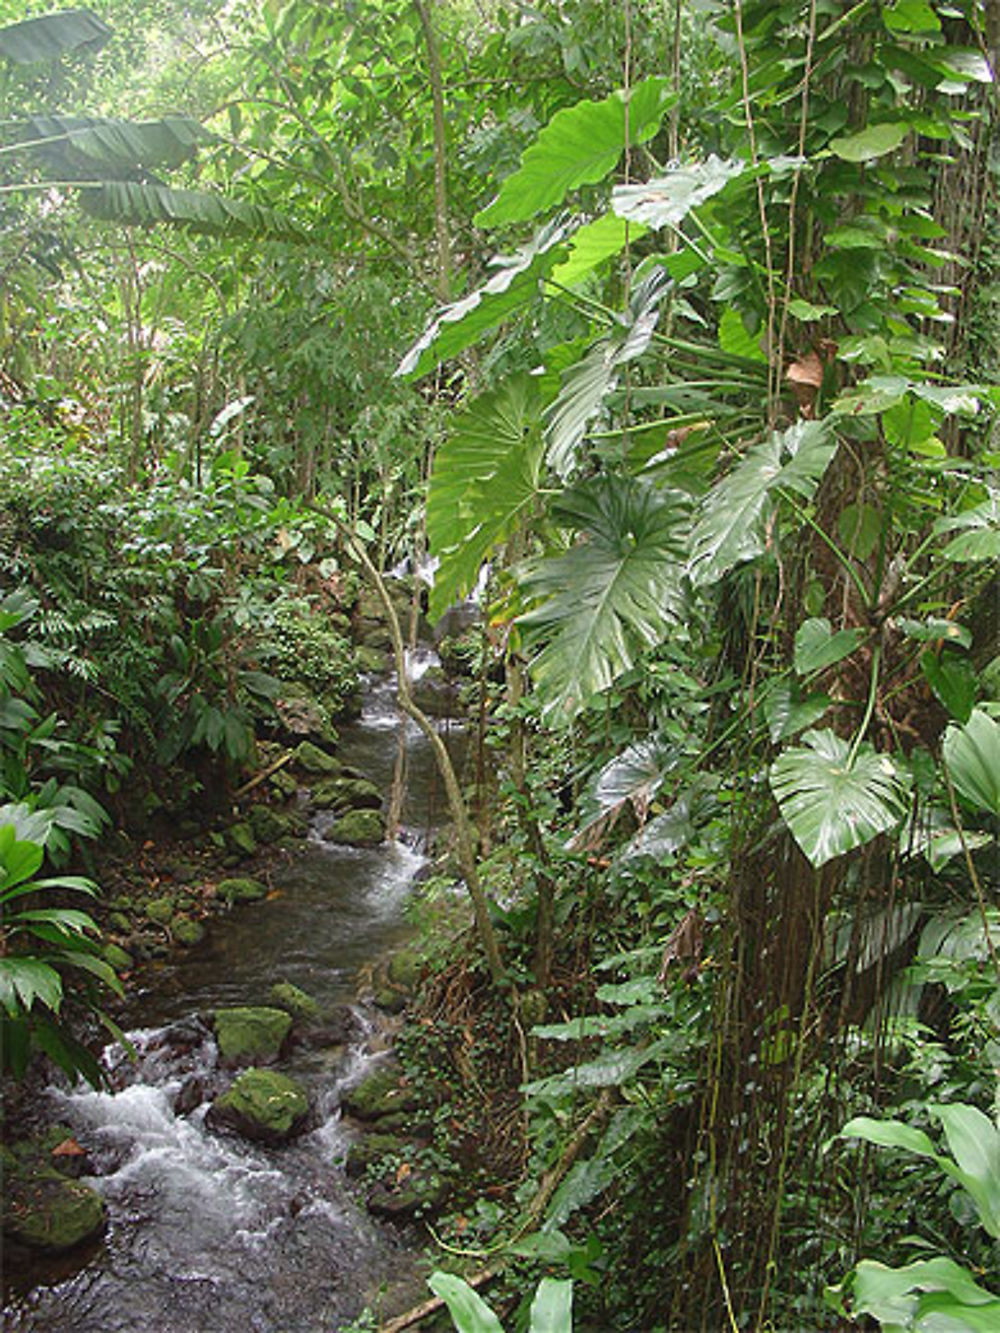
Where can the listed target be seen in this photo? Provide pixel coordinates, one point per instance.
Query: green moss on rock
(358, 828)
(46, 1211)
(246, 1034)
(294, 1001)
(240, 840)
(262, 1105)
(269, 824)
(161, 910)
(384, 1092)
(346, 793)
(241, 890)
(187, 931)
(316, 762)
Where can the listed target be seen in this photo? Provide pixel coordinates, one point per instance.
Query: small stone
(240, 840)
(345, 793)
(120, 922)
(187, 931)
(160, 910)
(372, 1151)
(241, 890)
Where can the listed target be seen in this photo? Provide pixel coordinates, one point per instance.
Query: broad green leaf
(972, 755)
(889, 1134)
(18, 861)
(941, 1312)
(911, 16)
(67, 920)
(632, 777)
(953, 680)
(72, 146)
(587, 382)
(870, 143)
(734, 513)
(614, 592)
(818, 647)
(49, 36)
(787, 713)
(592, 245)
(934, 628)
(27, 980)
(135, 204)
(978, 529)
(974, 1142)
(734, 337)
(579, 146)
(667, 200)
(484, 485)
(467, 1308)
(831, 802)
(807, 311)
(513, 286)
(890, 1295)
(552, 1308)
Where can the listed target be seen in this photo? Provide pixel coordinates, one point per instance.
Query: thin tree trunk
(456, 804)
(441, 228)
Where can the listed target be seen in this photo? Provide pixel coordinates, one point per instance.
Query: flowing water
(211, 1234)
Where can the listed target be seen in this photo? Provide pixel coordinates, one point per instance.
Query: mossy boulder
(268, 824)
(382, 1092)
(369, 634)
(262, 1105)
(240, 840)
(374, 1153)
(316, 762)
(283, 784)
(294, 1001)
(187, 931)
(46, 1211)
(346, 793)
(120, 921)
(303, 717)
(160, 910)
(373, 661)
(358, 828)
(241, 890)
(417, 1194)
(250, 1034)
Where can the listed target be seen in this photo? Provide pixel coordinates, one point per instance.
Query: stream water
(208, 1233)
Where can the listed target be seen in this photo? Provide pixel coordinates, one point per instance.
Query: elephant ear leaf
(733, 521)
(579, 146)
(834, 799)
(972, 757)
(512, 287)
(614, 592)
(484, 485)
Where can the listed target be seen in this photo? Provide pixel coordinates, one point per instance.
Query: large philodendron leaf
(588, 382)
(834, 801)
(484, 485)
(977, 529)
(141, 205)
(731, 528)
(48, 36)
(592, 245)
(579, 146)
(78, 147)
(631, 778)
(928, 1296)
(666, 201)
(972, 755)
(513, 286)
(612, 593)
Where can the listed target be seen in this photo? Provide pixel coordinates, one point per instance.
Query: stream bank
(214, 1229)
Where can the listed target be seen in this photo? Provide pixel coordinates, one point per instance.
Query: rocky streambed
(257, 1161)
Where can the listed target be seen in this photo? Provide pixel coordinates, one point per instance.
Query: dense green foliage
(705, 393)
